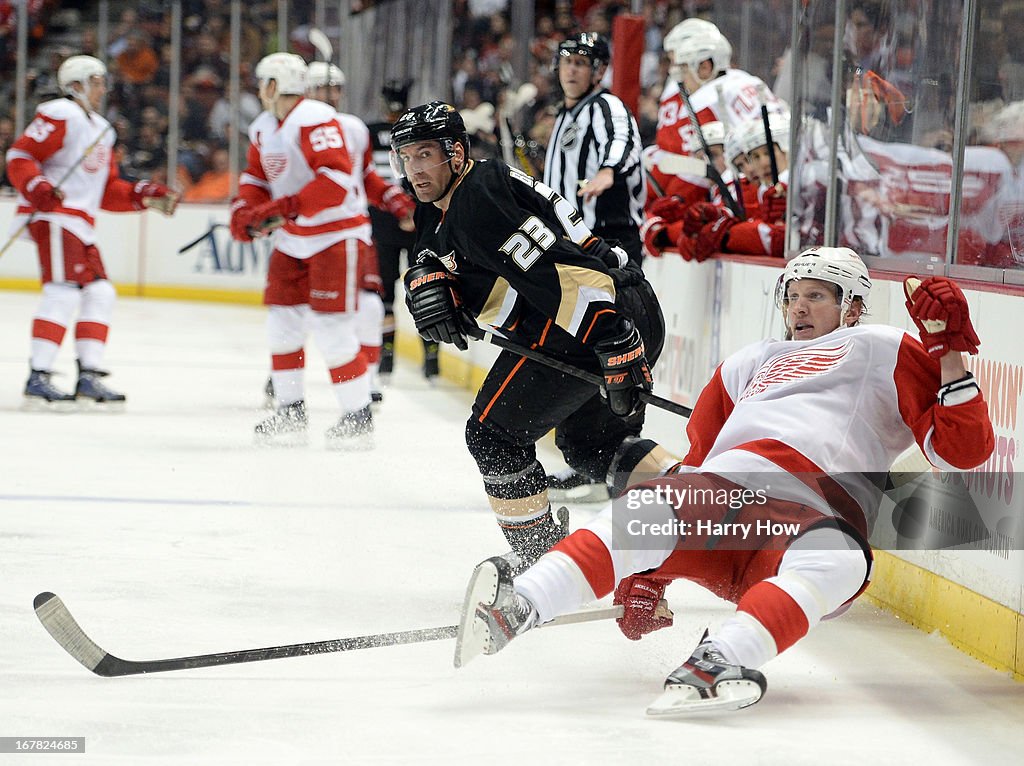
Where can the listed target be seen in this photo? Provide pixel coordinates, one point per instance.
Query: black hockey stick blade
(645, 396)
(65, 631)
(206, 234)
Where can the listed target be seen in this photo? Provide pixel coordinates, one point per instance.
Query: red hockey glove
(243, 221)
(712, 239)
(685, 246)
(700, 214)
(42, 195)
(626, 371)
(654, 235)
(671, 209)
(773, 204)
(643, 610)
(274, 213)
(398, 203)
(431, 294)
(940, 311)
(149, 194)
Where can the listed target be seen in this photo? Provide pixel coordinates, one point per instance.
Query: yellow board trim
(172, 292)
(974, 624)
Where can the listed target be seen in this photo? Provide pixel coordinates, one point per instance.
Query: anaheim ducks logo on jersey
(274, 165)
(797, 365)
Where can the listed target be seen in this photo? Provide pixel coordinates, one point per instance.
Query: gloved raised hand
(939, 309)
(626, 371)
(773, 204)
(149, 194)
(432, 295)
(42, 195)
(644, 610)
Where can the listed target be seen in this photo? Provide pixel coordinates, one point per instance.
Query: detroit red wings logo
(797, 365)
(96, 160)
(274, 165)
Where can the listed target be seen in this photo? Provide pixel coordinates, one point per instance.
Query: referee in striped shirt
(593, 155)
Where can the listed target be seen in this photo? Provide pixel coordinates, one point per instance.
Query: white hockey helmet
(79, 69)
(714, 134)
(752, 135)
(734, 144)
(839, 265)
(320, 74)
(287, 70)
(696, 43)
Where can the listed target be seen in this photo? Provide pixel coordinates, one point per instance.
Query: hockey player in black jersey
(497, 247)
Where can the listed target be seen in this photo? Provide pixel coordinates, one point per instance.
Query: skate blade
(682, 700)
(85, 404)
(473, 636)
(35, 404)
(292, 439)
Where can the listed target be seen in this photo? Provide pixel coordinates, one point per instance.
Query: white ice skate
(493, 613)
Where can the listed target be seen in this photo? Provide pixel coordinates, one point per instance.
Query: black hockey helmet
(436, 121)
(589, 44)
(396, 94)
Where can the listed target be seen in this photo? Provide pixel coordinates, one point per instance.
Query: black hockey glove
(432, 296)
(609, 253)
(625, 367)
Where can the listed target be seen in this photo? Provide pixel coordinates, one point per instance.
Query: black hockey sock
(387, 354)
(531, 539)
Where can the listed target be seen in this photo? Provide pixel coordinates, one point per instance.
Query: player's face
(761, 162)
(425, 165)
(575, 74)
(95, 91)
(812, 308)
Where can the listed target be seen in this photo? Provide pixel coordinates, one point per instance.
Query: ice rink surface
(168, 533)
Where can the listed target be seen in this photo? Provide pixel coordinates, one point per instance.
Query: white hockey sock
(93, 323)
(555, 585)
(53, 316)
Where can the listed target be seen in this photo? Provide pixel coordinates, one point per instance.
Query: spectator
(215, 184)
(137, 62)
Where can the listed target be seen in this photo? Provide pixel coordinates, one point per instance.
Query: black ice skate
(353, 431)
(41, 394)
(289, 426)
(706, 682)
(91, 392)
(493, 613)
(570, 486)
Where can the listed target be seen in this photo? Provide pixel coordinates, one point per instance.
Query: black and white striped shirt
(598, 132)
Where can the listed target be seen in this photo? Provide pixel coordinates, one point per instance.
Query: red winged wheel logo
(274, 165)
(796, 365)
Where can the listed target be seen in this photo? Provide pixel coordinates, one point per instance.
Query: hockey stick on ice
(537, 356)
(59, 184)
(60, 624)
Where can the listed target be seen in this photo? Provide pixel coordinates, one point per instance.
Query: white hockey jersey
(59, 136)
(305, 155)
(843, 405)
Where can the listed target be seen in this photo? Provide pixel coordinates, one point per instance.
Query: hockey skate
(41, 394)
(92, 393)
(706, 683)
(493, 613)
(570, 486)
(353, 431)
(289, 426)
